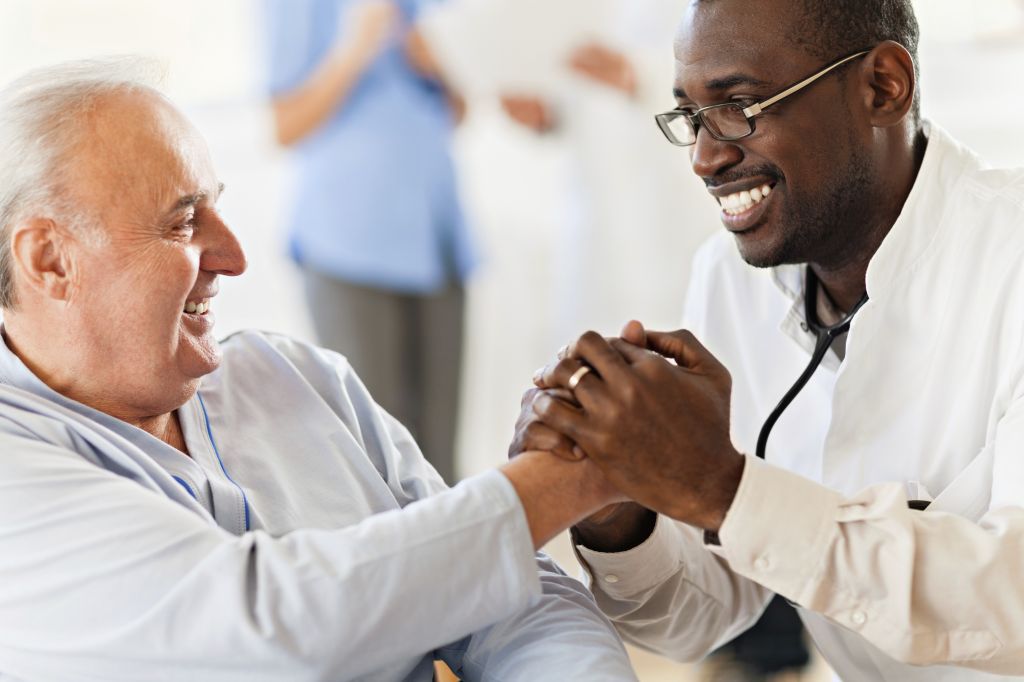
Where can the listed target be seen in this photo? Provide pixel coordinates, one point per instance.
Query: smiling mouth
(197, 307)
(738, 203)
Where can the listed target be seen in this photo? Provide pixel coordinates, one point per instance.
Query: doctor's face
(144, 291)
(811, 150)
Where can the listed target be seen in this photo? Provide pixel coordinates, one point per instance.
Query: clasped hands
(652, 414)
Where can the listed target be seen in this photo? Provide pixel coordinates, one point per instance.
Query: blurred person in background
(625, 191)
(585, 195)
(376, 224)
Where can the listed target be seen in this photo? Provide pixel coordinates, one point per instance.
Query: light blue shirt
(375, 198)
(305, 538)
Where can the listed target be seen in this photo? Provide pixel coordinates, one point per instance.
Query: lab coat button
(762, 563)
(859, 618)
(611, 578)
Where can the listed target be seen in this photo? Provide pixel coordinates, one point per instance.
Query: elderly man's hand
(532, 434)
(659, 430)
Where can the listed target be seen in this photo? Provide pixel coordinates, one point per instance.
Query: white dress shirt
(928, 403)
(304, 539)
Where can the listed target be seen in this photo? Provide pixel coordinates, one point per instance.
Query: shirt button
(762, 564)
(611, 578)
(859, 618)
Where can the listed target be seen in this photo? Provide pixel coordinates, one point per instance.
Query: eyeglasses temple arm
(755, 109)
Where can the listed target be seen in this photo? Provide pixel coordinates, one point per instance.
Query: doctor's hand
(658, 429)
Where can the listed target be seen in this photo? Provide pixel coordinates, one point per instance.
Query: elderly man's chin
(198, 352)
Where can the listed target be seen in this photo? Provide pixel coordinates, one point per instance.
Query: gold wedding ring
(574, 380)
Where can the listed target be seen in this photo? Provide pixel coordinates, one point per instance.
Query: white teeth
(201, 308)
(190, 307)
(197, 308)
(740, 202)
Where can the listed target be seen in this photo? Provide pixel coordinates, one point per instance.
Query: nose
(709, 156)
(222, 254)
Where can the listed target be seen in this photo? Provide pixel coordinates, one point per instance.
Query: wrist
(555, 493)
(717, 496)
(628, 526)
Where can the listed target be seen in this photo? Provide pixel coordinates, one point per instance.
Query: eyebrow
(724, 83)
(190, 200)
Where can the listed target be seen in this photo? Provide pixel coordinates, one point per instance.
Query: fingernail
(538, 375)
(577, 452)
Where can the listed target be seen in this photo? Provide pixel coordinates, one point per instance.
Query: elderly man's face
(142, 296)
(811, 149)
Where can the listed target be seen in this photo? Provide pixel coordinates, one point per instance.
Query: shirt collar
(921, 221)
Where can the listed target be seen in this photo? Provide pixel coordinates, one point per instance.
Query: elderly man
(886, 496)
(172, 508)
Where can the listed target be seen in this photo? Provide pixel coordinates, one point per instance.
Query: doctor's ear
(41, 256)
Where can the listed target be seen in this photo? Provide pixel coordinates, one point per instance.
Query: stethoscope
(826, 336)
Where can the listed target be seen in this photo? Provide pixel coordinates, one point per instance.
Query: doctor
(174, 508)
(882, 491)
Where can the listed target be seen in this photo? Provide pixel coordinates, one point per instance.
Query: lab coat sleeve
(671, 595)
(927, 588)
(102, 579)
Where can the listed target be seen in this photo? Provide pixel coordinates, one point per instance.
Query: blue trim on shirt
(209, 432)
(186, 486)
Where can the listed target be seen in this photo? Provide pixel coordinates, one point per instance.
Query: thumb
(681, 346)
(633, 332)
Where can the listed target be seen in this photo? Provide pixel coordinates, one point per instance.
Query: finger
(596, 351)
(537, 436)
(635, 333)
(634, 354)
(558, 375)
(559, 416)
(681, 346)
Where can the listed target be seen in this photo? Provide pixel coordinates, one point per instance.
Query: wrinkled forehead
(723, 41)
(139, 149)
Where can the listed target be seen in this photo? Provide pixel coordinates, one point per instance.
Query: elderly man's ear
(42, 259)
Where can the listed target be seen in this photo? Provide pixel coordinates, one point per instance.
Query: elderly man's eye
(187, 226)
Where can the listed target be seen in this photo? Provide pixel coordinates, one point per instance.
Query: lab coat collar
(908, 241)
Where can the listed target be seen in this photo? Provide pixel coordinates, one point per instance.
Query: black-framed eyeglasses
(731, 121)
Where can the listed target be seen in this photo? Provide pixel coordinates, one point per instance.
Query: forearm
(300, 111)
(670, 595)
(927, 588)
(556, 493)
(105, 579)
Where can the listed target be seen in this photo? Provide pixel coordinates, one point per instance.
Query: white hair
(40, 113)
